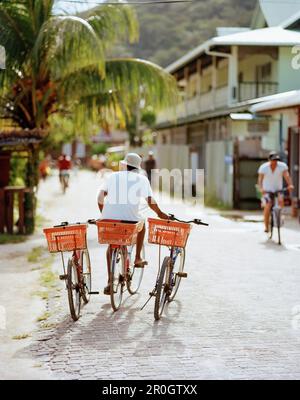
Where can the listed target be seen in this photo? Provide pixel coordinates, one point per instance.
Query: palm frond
(66, 44)
(16, 34)
(129, 78)
(113, 23)
(39, 12)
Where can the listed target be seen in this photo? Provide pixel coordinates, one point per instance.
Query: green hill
(168, 31)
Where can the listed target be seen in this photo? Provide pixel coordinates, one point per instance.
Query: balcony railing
(254, 90)
(216, 99)
(205, 102)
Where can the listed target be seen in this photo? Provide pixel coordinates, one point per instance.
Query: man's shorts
(64, 172)
(269, 197)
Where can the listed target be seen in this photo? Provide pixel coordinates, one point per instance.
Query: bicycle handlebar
(172, 217)
(193, 221)
(65, 223)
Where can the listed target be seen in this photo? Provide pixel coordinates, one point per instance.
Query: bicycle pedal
(182, 274)
(63, 277)
(94, 292)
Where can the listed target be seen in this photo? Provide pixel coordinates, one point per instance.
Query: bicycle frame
(275, 213)
(76, 255)
(126, 251)
(174, 253)
(166, 285)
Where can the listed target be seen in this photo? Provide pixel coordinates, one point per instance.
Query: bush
(18, 168)
(99, 148)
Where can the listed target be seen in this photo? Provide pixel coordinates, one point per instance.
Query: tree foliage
(58, 65)
(168, 31)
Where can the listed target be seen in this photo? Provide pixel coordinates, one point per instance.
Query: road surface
(237, 315)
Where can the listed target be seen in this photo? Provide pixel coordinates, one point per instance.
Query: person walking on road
(150, 164)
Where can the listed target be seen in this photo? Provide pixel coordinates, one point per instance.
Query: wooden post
(9, 211)
(31, 183)
(21, 224)
(199, 62)
(233, 76)
(2, 210)
(236, 179)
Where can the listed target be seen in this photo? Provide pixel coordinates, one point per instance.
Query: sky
(72, 7)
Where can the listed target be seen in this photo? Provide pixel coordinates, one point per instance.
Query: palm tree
(58, 66)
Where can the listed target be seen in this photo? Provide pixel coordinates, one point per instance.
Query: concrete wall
(219, 171)
(288, 78)
(169, 156)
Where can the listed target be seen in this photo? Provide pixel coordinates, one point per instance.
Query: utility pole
(138, 121)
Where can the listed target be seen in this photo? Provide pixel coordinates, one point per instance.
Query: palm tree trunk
(31, 183)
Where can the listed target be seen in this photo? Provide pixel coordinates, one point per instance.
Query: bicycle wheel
(74, 296)
(117, 279)
(134, 275)
(178, 267)
(278, 219)
(271, 224)
(86, 275)
(163, 287)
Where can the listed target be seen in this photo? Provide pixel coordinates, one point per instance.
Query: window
(258, 127)
(264, 72)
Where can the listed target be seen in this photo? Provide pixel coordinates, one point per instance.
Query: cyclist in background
(270, 180)
(64, 166)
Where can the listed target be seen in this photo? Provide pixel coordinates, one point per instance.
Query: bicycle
(174, 234)
(121, 237)
(276, 219)
(77, 274)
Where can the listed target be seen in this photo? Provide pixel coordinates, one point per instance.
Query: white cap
(133, 160)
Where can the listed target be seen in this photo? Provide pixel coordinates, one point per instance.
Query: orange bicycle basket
(117, 232)
(168, 233)
(66, 238)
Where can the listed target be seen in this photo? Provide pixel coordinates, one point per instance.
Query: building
(78, 149)
(220, 81)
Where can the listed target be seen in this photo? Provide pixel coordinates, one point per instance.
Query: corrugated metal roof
(277, 11)
(276, 36)
(282, 101)
(291, 20)
(222, 31)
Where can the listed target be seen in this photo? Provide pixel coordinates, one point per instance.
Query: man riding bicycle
(64, 167)
(270, 180)
(123, 192)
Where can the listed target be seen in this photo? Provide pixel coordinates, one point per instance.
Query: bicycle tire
(279, 226)
(177, 278)
(134, 279)
(162, 289)
(74, 295)
(117, 279)
(271, 224)
(86, 276)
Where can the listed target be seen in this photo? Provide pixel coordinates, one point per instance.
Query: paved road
(235, 316)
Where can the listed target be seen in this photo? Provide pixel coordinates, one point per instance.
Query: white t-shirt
(272, 180)
(125, 191)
